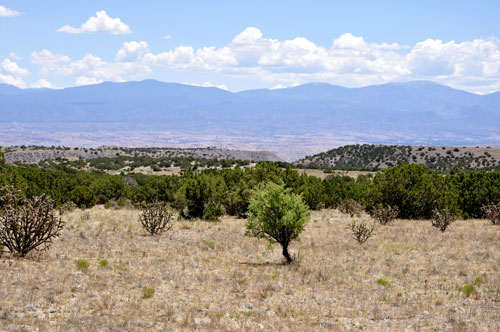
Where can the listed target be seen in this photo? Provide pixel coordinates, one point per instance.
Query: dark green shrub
(83, 197)
(277, 215)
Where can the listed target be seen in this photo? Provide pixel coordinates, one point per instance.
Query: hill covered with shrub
(375, 157)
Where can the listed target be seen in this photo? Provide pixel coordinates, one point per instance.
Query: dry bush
(350, 207)
(27, 224)
(361, 232)
(66, 207)
(492, 213)
(156, 218)
(443, 218)
(384, 214)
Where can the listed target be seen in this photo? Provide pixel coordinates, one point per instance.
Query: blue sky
(257, 44)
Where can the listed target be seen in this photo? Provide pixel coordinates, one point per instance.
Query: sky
(239, 45)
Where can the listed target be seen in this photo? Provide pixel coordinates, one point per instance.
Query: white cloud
(167, 37)
(88, 66)
(210, 85)
(6, 12)
(12, 67)
(14, 56)
(43, 83)
(12, 80)
(99, 23)
(84, 80)
(349, 61)
(132, 51)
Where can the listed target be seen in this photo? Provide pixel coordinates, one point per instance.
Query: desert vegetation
(348, 263)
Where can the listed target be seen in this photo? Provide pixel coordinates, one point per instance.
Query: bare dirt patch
(208, 277)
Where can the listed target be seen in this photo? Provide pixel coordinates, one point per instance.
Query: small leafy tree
(350, 207)
(277, 215)
(27, 224)
(492, 213)
(443, 218)
(156, 218)
(384, 214)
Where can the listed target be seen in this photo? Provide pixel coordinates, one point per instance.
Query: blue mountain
(415, 109)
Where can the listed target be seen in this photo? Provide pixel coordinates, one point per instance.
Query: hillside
(282, 120)
(373, 157)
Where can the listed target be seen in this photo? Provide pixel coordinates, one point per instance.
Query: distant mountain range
(411, 113)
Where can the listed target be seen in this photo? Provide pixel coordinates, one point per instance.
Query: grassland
(205, 276)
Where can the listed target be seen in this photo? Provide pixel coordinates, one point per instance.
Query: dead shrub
(384, 214)
(156, 217)
(492, 213)
(27, 224)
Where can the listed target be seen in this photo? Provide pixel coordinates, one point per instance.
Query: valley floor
(209, 277)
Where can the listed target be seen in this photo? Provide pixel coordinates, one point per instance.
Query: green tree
(276, 215)
(83, 197)
(2, 158)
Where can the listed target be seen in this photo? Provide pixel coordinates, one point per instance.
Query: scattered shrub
(384, 282)
(443, 218)
(350, 207)
(467, 290)
(148, 292)
(156, 218)
(103, 263)
(361, 232)
(276, 215)
(27, 224)
(479, 281)
(492, 213)
(384, 214)
(82, 264)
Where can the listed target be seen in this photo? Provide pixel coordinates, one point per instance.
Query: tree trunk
(286, 254)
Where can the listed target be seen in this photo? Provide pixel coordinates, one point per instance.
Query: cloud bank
(349, 61)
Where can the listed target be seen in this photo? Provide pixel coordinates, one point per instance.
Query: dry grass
(205, 276)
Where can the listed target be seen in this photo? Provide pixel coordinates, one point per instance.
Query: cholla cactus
(350, 207)
(443, 218)
(156, 218)
(492, 213)
(384, 214)
(27, 224)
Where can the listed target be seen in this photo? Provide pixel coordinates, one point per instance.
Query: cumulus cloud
(88, 66)
(132, 51)
(210, 85)
(84, 80)
(349, 60)
(12, 80)
(12, 67)
(6, 12)
(43, 83)
(99, 23)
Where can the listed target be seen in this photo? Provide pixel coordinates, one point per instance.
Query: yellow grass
(204, 276)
